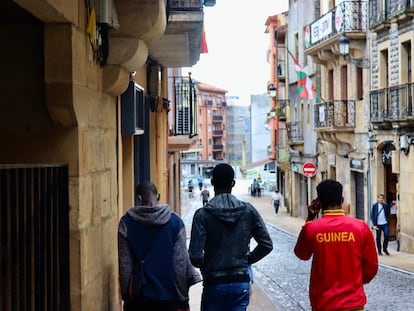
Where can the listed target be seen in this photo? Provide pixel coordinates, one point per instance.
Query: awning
(256, 164)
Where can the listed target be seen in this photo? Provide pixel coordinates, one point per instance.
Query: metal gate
(34, 220)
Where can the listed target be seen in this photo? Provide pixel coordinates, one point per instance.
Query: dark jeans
(276, 206)
(226, 297)
(386, 230)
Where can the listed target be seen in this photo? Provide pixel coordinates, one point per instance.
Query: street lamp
(343, 43)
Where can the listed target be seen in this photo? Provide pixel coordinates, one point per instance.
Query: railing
(217, 147)
(392, 104)
(347, 16)
(185, 5)
(185, 107)
(217, 133)
(34, 221)
(295, 131)
(381, 11)
(217, 118)
(335, 115)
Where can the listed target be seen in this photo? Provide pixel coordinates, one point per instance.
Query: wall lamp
(343, 43)
(271, 90)
(405, 143)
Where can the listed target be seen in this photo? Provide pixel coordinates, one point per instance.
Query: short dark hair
(329, 193)
(223, 176)
(145, 189)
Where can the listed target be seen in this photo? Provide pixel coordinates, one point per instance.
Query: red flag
(203, 47)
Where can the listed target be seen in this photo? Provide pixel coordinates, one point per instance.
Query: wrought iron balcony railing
(392, 104)
(184, 107)
(335, 115)
(381, 11)
(217, 133)
(347, 16)
(295, 131)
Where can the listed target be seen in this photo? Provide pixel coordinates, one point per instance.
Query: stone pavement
(283, 221)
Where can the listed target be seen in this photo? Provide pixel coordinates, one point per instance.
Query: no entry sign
(309, 169)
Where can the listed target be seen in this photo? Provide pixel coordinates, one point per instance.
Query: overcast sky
(237, 45)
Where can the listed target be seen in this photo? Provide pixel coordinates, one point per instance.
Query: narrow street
(285, 279)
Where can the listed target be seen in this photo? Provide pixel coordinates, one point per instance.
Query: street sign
(309, 169)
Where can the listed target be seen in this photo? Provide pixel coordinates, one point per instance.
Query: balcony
(295, 132)
(183, 128)
(181, 42)
(217, 147)
(217, 119)
(321, 36)
(335, 115)
(392, 105)
(217, 133)
(382, 13)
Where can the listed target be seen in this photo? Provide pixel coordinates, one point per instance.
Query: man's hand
(313, 209)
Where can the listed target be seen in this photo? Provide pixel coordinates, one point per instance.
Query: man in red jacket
(343, 249)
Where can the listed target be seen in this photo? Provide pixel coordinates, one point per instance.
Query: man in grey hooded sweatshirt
(220, 237)
(151, 233)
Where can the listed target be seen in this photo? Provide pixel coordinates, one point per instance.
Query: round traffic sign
(309, 169)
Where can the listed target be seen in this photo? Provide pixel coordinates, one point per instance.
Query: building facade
(390, 45)
(84, 119)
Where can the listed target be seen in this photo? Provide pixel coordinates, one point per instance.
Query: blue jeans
(386, 230)
(226, 297)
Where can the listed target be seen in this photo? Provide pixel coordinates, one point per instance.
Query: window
(209, 112)
(330, 85)
(209, 128)
(344, 82)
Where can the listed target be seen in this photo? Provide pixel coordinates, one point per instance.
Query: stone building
(84, 105)
(391, 131)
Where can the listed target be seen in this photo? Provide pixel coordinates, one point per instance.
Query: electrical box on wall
(133, 110)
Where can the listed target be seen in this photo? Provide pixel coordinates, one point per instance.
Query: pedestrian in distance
(200, 181)
(152, 239)
(276, 198)
(190, 186)
(219, 245)
(380, 217)
(343, 252)
(205, 195)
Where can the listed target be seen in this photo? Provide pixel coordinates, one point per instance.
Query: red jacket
(344, 258)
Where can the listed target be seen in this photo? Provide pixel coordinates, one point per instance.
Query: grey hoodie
(185, 274)
(220, 239)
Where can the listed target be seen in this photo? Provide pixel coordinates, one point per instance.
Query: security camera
(404, 146)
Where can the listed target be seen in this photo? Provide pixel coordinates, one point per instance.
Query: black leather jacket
(220, 239)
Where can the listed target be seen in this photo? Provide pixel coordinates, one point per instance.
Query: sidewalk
(259, 300)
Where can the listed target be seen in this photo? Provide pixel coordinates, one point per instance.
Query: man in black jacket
(380, 217)
(219, 245)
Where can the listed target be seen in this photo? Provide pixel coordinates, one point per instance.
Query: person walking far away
(219, 245)
(190, 186)
(205, 195)
(200, 181)
(153, 237)
(380, 217)
(276, 198)
(343, 250)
